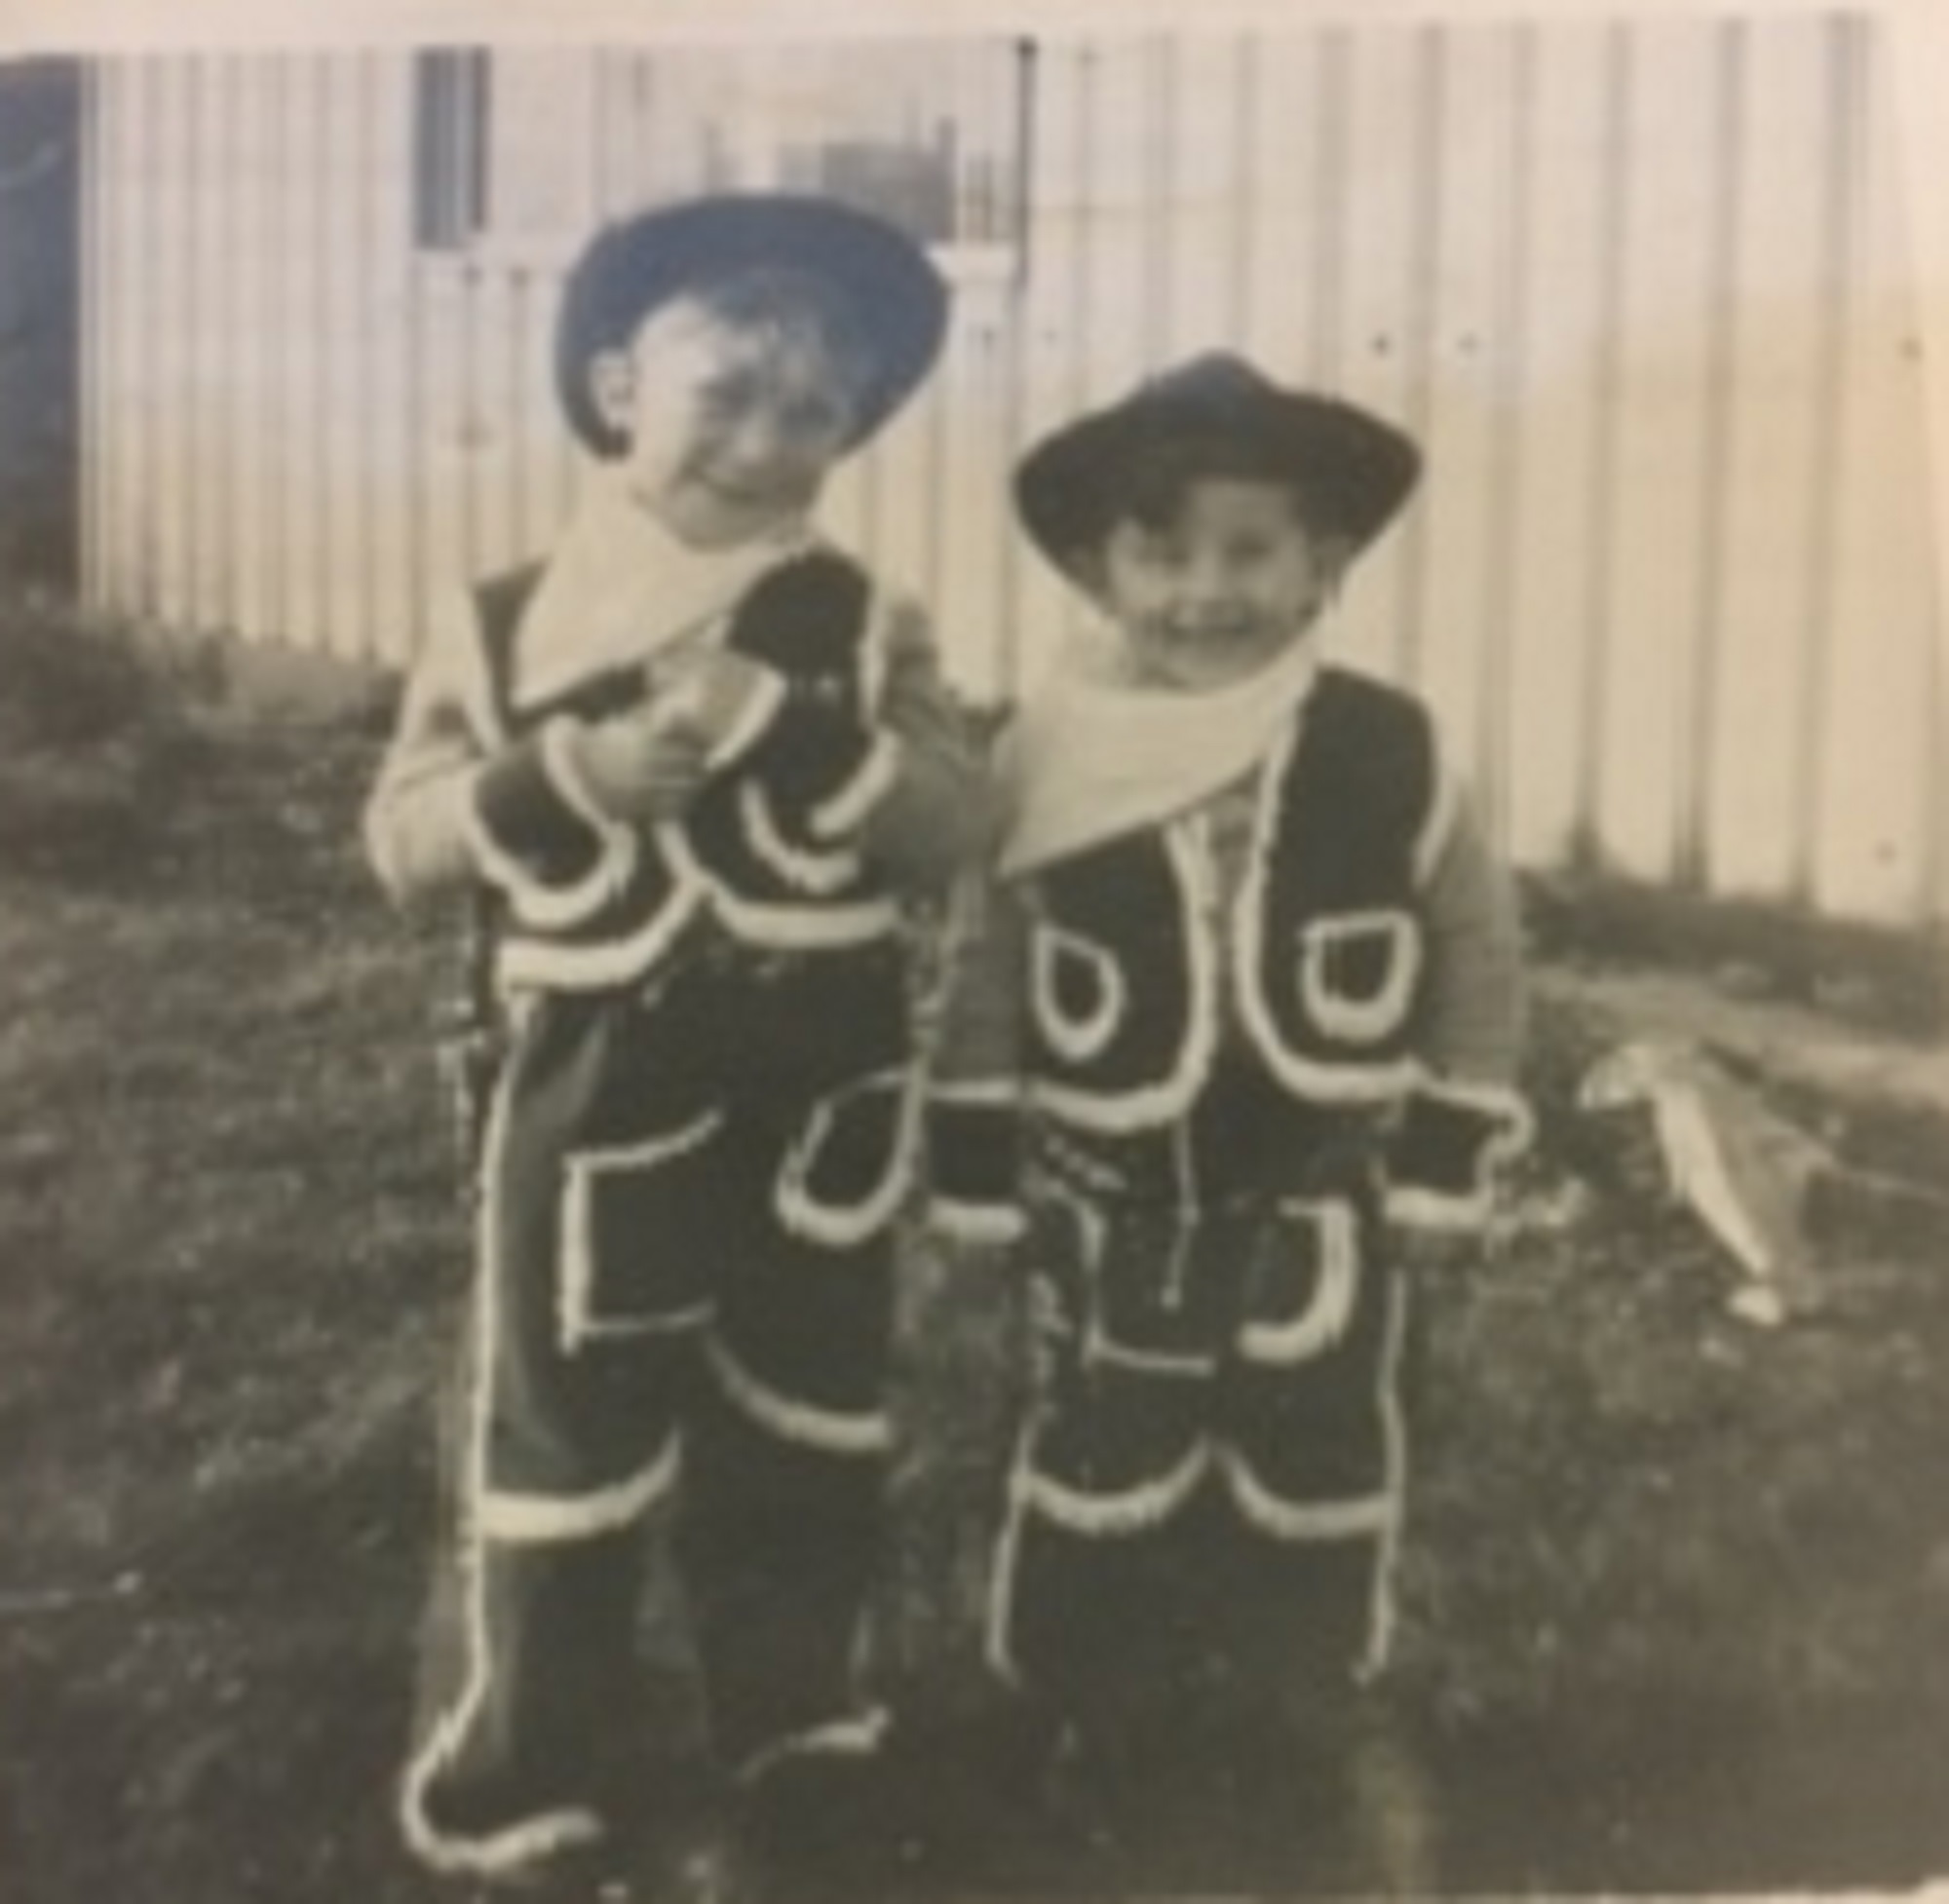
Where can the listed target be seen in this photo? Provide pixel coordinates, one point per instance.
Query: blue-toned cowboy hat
(630, 268)
(1350, 470)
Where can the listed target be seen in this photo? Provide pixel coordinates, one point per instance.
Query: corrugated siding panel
(1637, 284)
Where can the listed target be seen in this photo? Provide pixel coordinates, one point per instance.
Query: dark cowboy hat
(1350, 470)
(630, 268)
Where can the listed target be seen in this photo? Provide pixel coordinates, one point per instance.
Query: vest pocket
(1077, 990)
(631, 1214)
(844, 1179)
(1357, 973)
(1302, 1282)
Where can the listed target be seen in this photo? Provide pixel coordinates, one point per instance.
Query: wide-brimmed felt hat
(1350, 469)
(630, 268)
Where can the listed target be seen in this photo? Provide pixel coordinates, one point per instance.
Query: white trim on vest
(577, 1321)
(805, 869)
(859, 1735)
(536, 903)
(1360, 1018)
(834, 1226)
(1363, 1515)
(552, 963)
(537, 1520)
(1074, 1039)
(546, 1832)
(1097, 1514)
(1150, 1106)
(1310, 1079)
(1439, 823)
(804, 1424)
(1324, 1322)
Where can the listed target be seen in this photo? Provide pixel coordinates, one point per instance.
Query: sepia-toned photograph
(963, 962)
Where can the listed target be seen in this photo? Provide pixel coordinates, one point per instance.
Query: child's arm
(545, 818)
(1463, 1119)
(416, 816)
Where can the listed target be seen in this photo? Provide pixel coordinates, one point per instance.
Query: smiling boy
(697, 759)
(1240, 1019)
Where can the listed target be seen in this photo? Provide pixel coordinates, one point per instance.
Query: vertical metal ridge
(152, 490)
(1421, 328)
(1244, 183)
(184, 310)
(224, 191)
(91, 449)
(1700, 758)
(1162, 75)
(276, 331)
(1828, 476)
(1015, 358)
(414, 407)
(1600, 609)
(1333, 79)
(515, 406)
(1084, 219)
(1084, 223)
(318, 229)
(467, 461)
(1511, 368)
(367, 173)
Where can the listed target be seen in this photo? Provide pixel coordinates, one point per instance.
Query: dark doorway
(40, 323)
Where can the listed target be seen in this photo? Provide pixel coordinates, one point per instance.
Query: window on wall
(525, 149)
(450, 125)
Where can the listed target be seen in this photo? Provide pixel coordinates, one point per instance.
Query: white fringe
(976, 1223)
(804, 1424)
(536, 903)
(1304, 1520)
(846, 1227)
(1361, 1018)
(859, 1736)
(1307, 1078)
(1129, 1511)
(1153, 1105)
(1076, 1040)
(577, 1319)
(502, 1853)
(549, 1833)
(819, 874)
(1324, 1320)
(529, 1519)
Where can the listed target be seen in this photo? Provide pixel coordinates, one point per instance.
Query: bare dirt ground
(1677, 1600)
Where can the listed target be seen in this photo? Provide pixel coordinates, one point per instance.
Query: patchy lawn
(1677, 1609)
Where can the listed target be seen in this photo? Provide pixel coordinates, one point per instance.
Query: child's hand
(644, 767)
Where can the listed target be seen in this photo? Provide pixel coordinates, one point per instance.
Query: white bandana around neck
(619, 588)
(1090, 757)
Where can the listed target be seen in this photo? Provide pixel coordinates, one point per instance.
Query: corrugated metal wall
(1637, 284)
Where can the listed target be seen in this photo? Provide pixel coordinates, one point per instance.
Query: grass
(1677, 1597)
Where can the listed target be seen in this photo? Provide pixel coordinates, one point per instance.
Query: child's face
(1213, 595)
(730, 430)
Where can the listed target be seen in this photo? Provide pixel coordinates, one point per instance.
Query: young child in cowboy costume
(696, 758)
(1238, 1018)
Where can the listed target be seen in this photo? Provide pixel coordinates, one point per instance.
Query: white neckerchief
(1091, 758)
(619, 588)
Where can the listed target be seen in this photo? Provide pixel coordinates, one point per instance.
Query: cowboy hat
(630, 268)
(1350, 470)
